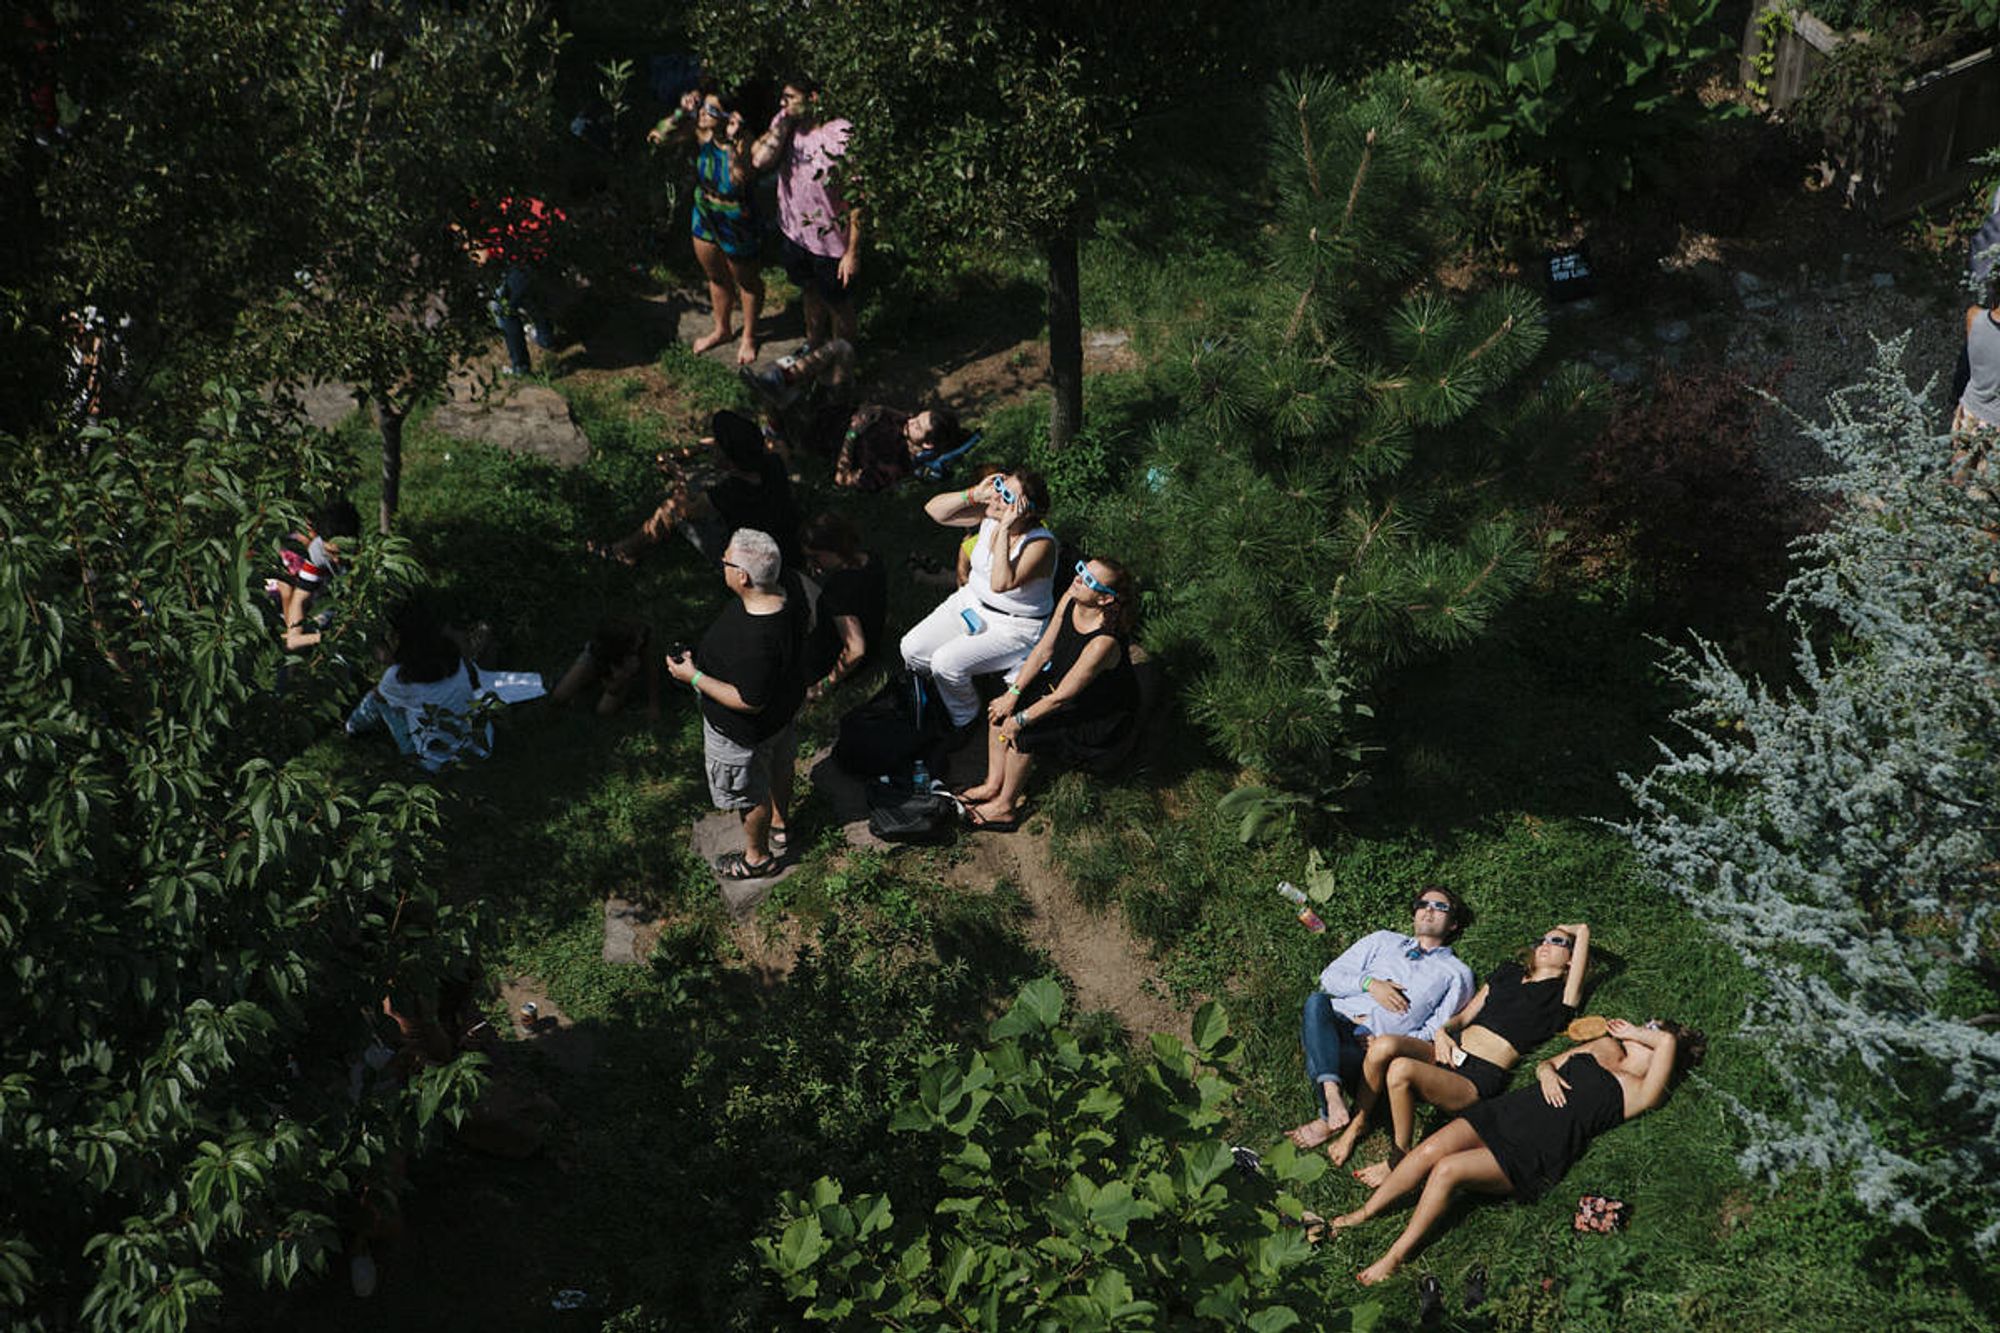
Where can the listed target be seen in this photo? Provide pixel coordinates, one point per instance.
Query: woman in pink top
(822, 228)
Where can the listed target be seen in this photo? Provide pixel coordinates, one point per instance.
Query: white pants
(941, 645)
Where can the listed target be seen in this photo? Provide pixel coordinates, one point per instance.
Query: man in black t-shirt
(749, 672)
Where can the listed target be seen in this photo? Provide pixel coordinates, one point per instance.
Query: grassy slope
(707, 1095)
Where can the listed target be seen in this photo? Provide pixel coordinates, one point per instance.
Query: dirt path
(1109, 965)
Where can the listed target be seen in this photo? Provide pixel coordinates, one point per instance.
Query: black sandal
(1430, 1299)
(736, 865)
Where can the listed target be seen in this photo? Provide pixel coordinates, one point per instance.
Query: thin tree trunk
(1065, 341)
(390, 421)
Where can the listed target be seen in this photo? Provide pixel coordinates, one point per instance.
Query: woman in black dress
(1073, 699)
(1521, 1006)
(1522, 1143)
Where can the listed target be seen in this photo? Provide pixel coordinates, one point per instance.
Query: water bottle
(920, 777)
(1307, 917)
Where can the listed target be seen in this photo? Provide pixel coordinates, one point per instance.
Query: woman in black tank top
(1074, 699)
(1521, 1006)
(1522, 1144)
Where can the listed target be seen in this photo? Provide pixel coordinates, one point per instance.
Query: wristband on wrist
(968, 495)
(1014, 690)
(694, 681)
(1366, 982)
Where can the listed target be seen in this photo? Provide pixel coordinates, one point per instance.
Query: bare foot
(1380, 1271)
(1342, 1148)
(1309, 1135)
(713, 338)
(746, 349)
(1337, 1114)
(1373, 1176)
(1346, 1220)
(979, 795)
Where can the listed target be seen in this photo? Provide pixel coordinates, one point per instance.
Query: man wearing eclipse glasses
(1387, 983)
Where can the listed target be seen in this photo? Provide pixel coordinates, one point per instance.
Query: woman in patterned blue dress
(724, 225)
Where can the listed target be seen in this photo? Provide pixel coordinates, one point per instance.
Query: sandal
(985, 825)
(737, 865)
(781, 842)
(1430, 1299)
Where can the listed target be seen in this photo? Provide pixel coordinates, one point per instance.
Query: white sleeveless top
(1033, 600)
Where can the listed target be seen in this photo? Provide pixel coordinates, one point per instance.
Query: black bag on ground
(885, 737)
(898, 814)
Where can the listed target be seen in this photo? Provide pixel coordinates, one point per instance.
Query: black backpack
(898, 814)
(903, 724)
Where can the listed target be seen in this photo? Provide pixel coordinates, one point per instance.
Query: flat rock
(327, 405)
(521, 417)
(715, 835)
(846, 795)
(629, 931)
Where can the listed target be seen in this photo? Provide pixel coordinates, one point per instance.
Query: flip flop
(1430, 1299)
(1475, 1288)
(984, 825)
(736, 865)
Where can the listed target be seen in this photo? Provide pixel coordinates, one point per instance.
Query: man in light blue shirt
(1386, 983)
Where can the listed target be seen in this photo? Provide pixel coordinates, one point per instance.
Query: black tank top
(1526, 1013)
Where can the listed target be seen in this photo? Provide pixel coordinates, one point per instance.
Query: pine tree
(1325, 501)
(1841, 834)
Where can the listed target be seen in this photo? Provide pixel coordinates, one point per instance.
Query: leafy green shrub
(1074, 1188)
(198, 919)
(1596, 93)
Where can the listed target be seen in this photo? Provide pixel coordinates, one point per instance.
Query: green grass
(707, 1093)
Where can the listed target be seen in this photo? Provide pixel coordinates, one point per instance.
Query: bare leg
(1441, 1087)
(750, 286)
(1473, 1168)
(996, 759)
(1411, 1171)
(818, 318)
(757, 834)
(844, 323)
(782, 765)
(1013, 773)
(1374, 1066)
(721, 294)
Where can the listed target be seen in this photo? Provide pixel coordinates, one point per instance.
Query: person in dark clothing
(853, 604)
(749, 673)
(1523, 1143)
(1073, 699)
(748, 489)
(1521, 1006)
(882, 446)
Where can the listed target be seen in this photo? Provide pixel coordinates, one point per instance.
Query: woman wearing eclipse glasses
(1522, 1005)
(1074, 698)
(994, 621)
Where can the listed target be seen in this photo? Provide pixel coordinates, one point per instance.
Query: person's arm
(295, 600)
(729, 696)
(678, 124)
(1443, 1043)
(1653, 1088)
(850, 261)
(1013, 569)
(1971, 312)
(1031, 666)
(962, 508)
(1579, 962)
(1345, 974)
(770, 145)
(853, 650)
(1098, 657)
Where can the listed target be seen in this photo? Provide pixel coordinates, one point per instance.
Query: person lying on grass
(1522, 1005)
(1074, 699)
(1523, 1143)
(1386, 984)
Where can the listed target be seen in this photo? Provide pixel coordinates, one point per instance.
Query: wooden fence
(1950, 115)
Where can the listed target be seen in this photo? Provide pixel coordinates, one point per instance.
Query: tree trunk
(389, 420)
(1065, 341)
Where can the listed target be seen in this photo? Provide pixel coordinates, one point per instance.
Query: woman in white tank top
(994, 621)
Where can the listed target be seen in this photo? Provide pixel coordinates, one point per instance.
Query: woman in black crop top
(1521, 1006)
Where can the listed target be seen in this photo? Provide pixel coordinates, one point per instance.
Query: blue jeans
(513, 299)
(1333, 1048)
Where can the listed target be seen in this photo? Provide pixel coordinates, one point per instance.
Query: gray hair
(758, 554)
